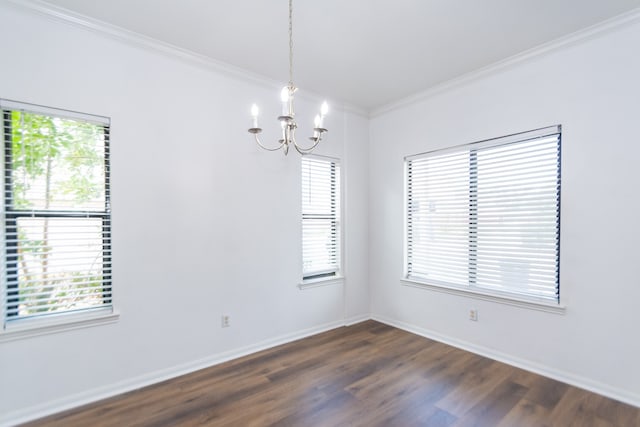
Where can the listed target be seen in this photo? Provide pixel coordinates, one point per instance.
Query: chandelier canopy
(287, 119)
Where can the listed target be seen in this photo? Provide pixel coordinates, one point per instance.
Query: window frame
(336, 276)
(506, 297)
(14, 325)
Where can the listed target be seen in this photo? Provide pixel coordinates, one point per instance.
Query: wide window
(57, 240)
(320, 217)
(486, 216)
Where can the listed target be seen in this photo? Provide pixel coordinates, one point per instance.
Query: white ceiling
(366, 53)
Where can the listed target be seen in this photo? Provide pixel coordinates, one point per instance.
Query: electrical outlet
(226, 320)
(473, 314)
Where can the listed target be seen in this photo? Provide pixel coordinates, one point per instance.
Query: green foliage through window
(56, 213)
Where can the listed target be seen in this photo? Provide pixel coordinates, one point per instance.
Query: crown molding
(578, 37)
(132, 38)
(154, 45)
(139, 40)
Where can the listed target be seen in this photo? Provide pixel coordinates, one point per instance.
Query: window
(57, 240)
(320, 217)
(486, 216)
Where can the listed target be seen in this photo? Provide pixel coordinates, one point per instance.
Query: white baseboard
(356, 319)
(72, 401)
(565, 377)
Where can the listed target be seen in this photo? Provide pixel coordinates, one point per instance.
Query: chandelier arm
(307, 150)
(269, 148)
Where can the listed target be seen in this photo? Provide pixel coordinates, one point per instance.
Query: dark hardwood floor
(368, 374)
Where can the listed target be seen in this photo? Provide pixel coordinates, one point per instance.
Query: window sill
(28, 328)
(488, 296)
(314, 283)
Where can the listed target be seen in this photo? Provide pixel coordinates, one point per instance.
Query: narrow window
(320, 217)
(56, 212)
(486, 216)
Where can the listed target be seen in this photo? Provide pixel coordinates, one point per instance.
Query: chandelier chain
(291, 43)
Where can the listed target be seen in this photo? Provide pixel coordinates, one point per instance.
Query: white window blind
(320, 217)
(486, 216)
(56, 210)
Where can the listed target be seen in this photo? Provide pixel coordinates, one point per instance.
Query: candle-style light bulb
(324, 109)
(254, 114)
(316, 125)
(284, 97)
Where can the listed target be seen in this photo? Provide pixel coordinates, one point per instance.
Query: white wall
(204, 223)
(357, 298)
(592, 88)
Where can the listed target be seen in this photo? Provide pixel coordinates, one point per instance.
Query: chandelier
(287, 119)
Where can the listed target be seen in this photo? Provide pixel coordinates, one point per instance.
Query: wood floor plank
(579, 408)
(526, 414)
(545, 391)
(369, 374)
(494, 406)
(473, 388)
